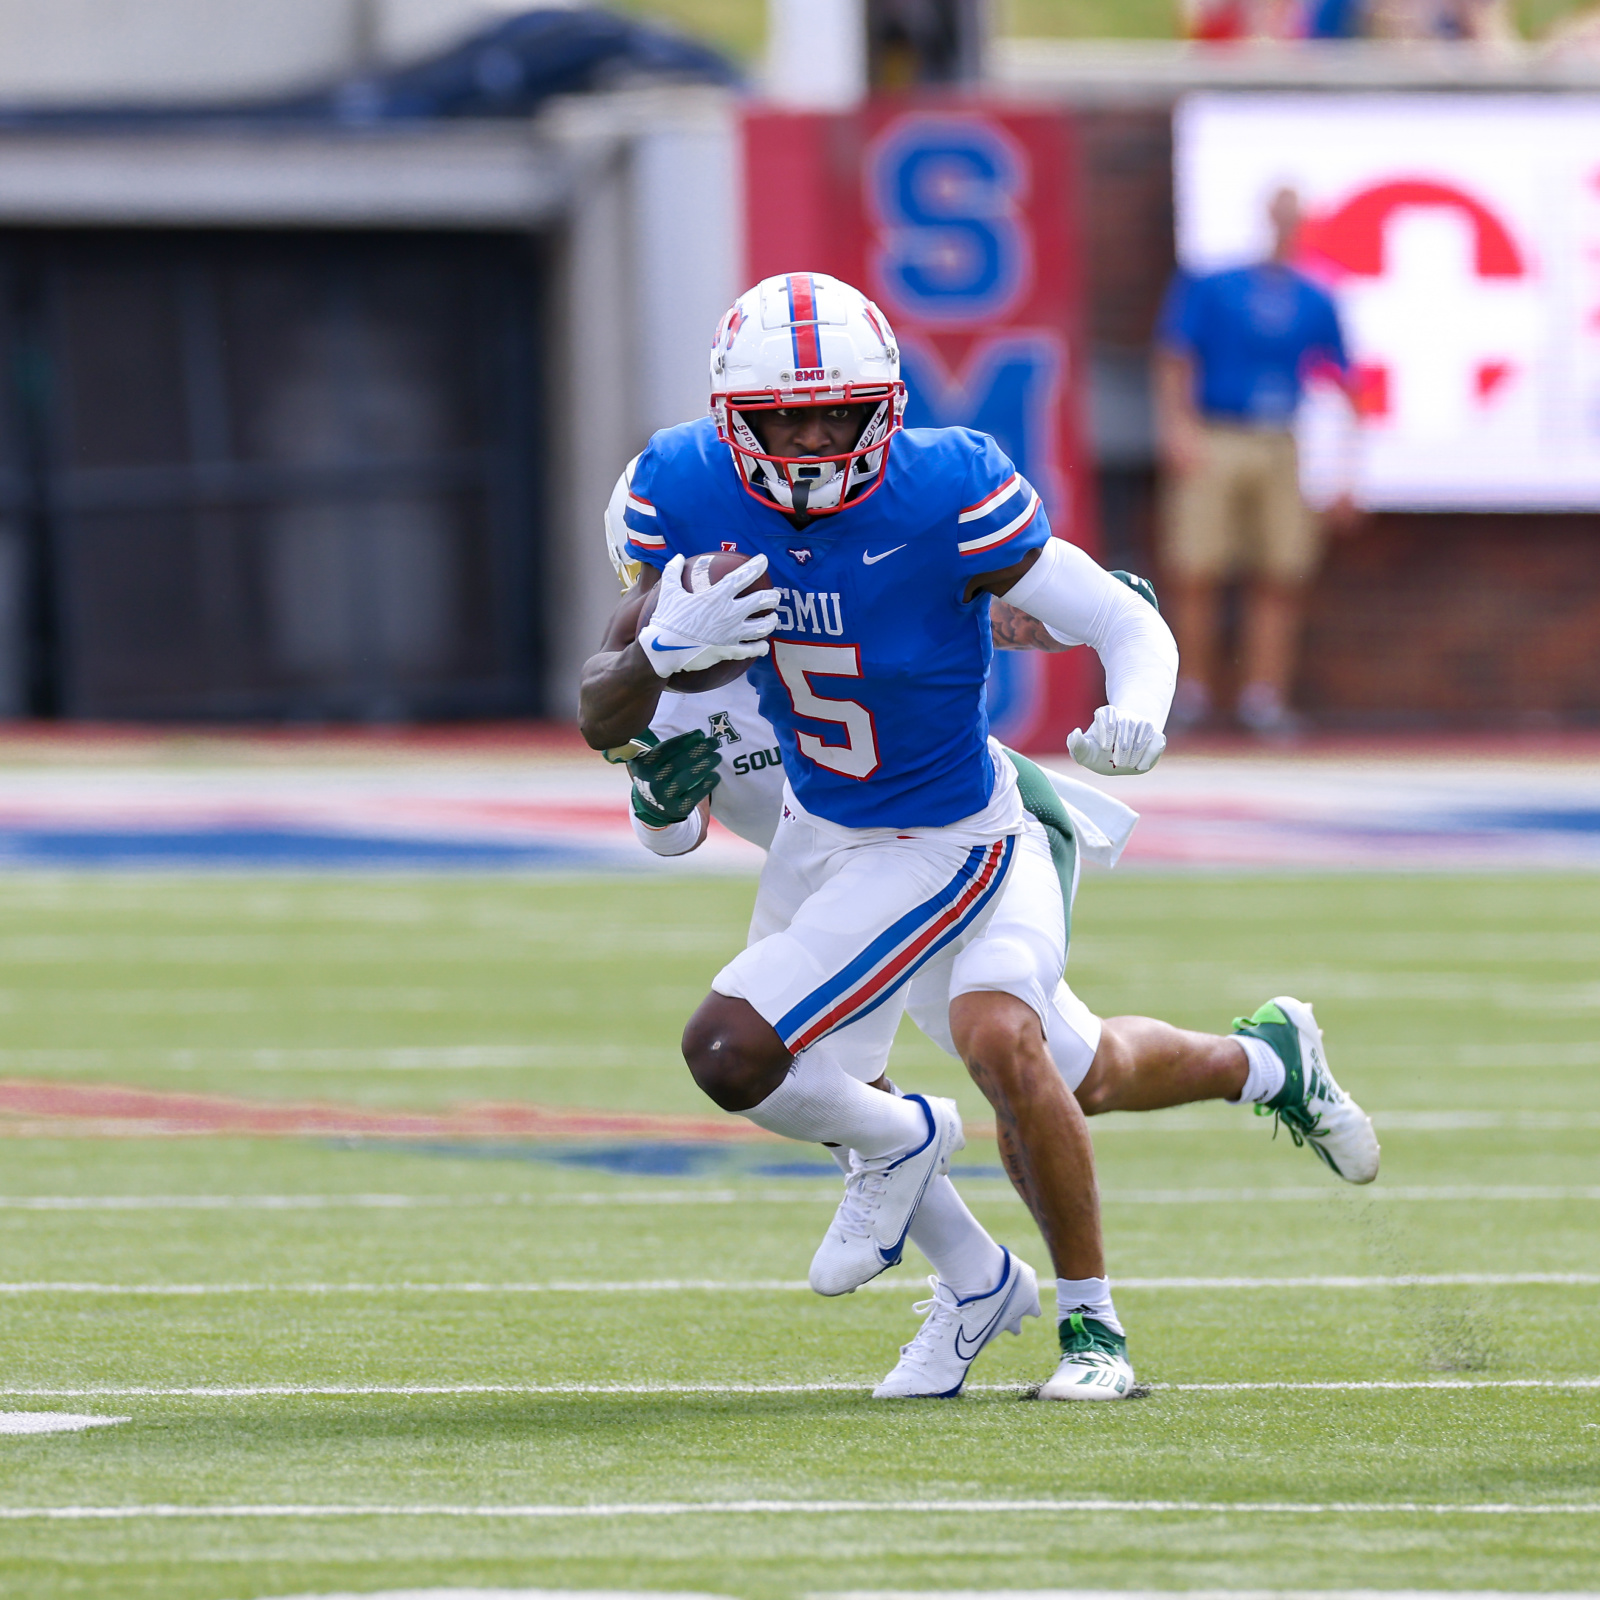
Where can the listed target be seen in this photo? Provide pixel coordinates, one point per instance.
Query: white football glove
(1117, 744)
(692, 631)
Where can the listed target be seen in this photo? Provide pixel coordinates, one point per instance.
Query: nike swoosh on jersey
(871, 561)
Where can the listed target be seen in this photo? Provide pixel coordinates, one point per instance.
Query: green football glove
(1140, 586)
(670, 779)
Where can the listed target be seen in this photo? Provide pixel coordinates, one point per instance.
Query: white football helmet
(617, 530)
(805, 339)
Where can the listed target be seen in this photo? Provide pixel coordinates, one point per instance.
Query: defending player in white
(904, 862)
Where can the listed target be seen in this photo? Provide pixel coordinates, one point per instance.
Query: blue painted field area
(282, 848)
(250, 806)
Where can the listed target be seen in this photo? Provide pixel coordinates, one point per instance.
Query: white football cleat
(1094, 1363)
(868, 1232)
(934, 1365)
(1311, 1105)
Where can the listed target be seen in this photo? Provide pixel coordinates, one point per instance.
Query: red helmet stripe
(803, 312)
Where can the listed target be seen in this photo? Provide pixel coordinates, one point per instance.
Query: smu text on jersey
(806, 611)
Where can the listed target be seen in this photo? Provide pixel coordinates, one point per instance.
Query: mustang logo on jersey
(803, 611)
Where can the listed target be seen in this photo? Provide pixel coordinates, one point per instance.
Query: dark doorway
(271, 476)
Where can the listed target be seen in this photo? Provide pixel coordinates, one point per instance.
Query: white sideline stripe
(1499, 1192)
(53, 1422)
(335, 1391)
(1407, 1280)
(725, 1197)
(800, 1508)
(1169, 1594)
(1386, 1121)
(796, 1286)
(569, 1594)
(385, 1202)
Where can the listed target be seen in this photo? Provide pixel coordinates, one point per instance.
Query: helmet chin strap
(801, 491)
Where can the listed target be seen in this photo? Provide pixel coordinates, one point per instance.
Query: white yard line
(1488, 1280)
(35, 1422)
(1491, 1280)
(1388, 1121)
(690, 1508)
(385, 1202)
(1164, 1594)
(1452, 1193)
(336, 1391)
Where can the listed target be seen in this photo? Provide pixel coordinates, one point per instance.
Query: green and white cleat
(1094, 1363)
(1311, 1105)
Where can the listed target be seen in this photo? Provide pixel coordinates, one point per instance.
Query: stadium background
(485, 291)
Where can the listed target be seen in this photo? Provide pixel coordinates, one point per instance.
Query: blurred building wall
(177, 51)
(170, 50)
(625, 208)
(650, 251)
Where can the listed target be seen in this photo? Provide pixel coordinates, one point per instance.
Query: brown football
(699, 573)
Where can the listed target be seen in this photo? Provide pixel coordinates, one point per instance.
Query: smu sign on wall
(959, 223)
(1460, 235)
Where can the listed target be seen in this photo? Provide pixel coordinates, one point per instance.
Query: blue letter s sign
(952, 246)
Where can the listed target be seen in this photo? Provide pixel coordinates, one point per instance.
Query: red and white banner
(959, 221)
(1460, 235)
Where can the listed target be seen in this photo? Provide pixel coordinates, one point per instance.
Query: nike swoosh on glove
(691, 631)
(1117, 744)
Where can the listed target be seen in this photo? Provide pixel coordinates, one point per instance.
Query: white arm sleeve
(1079, 602)
(676, 839)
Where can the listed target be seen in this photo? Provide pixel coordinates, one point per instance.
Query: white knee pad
(1010, 964)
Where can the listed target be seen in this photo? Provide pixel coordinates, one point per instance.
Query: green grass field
(1464, 1012)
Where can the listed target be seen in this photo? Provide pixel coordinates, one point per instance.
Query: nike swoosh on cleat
(872, 561)
(982, 1339)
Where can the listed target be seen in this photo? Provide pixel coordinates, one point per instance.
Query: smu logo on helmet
(732, 322)
(810, 374)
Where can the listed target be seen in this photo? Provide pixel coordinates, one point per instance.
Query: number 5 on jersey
(797, 664)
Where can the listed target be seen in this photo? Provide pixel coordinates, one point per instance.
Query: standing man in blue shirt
(1233, 351)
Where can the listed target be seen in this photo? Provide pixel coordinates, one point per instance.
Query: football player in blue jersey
(902, 822)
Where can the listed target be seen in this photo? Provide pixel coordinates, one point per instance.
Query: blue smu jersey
(875, 681)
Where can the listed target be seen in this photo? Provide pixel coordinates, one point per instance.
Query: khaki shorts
(1240, 510)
